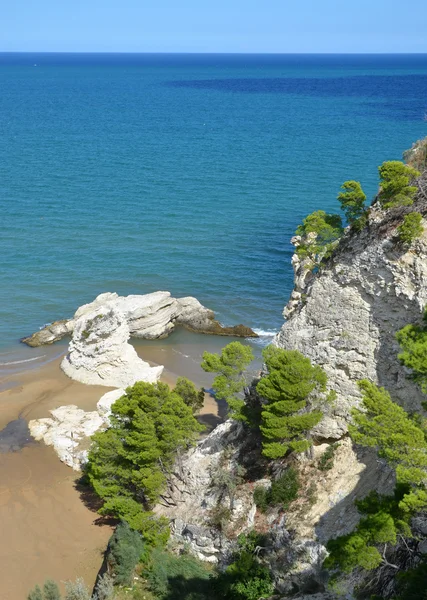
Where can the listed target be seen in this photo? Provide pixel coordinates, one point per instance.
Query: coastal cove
(43, 513)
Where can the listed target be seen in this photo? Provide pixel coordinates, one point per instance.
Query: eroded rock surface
(68, 431)
(149, 316)
(99, 352)
(352, 309)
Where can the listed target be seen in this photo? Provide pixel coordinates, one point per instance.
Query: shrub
(387, 427)
(413, 342)
(188, 392)
(284, 490)
(411, 228)
(352, 199)
(125, 550)
(325, 228)
(261, 495)
(35, 594)
(326, 461)
(245, 578)
(395, 181)
(77, 590)
(230, 366)
(105, 588)
(178, 577)
(290, 381)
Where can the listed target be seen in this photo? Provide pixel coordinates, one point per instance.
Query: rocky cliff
(344, 317)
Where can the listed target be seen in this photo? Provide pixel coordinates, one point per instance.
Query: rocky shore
(149, 316)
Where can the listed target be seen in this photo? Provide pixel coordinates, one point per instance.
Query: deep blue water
(190, 173)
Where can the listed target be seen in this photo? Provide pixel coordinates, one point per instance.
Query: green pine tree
(399, 440)
(230, 381)
(286, 417)
(413, 342)
(352, 200)
(395, 181)
(128, 463)
(192, 397)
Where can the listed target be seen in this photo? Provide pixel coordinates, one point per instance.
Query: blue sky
(213, 26)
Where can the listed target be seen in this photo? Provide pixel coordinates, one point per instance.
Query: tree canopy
(325, 228)
(352, 199)
(230, 381)
(285, 416)
(395, 181)
(411, 228)
(129, 462)
(413, 342)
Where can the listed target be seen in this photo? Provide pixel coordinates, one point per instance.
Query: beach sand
(47, 529)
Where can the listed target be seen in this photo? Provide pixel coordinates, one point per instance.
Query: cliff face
(347, 315)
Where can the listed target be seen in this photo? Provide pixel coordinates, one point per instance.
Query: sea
(190, 173)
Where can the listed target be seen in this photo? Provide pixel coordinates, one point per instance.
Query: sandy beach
(47, 529)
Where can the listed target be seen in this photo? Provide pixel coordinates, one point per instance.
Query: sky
(213, 26)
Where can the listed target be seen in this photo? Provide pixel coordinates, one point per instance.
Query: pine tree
(285, 417)
(230, 366)
(387, 427)
(129, 462)
(413, 341)
(187, 390)
(352, 200)
(395, 182)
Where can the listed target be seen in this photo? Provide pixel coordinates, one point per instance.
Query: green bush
(412, 585)
(352, 199)
(261, 495)
(125, 549)
(128, 463)
(413, 342)
(411, 228)
(192, 397)
(50, 592)
(284, 490)
(326, 461)
(395, 182)
(178, 577)
(327, 229)
(77, 590)
(245, 578)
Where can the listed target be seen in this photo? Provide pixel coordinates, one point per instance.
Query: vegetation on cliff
(286, 415)
(129, 462)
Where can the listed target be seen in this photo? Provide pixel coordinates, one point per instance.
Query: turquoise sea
(188, 173)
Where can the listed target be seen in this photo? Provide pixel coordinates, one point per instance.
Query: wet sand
(47, 530)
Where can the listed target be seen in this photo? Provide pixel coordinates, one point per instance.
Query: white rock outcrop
(99, 352)
(149, 316)
(351, 311)
(68, 431)
(106, 401)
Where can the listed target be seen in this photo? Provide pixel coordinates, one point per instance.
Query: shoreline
(47, 527)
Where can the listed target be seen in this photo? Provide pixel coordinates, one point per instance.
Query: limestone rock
(106, 401)
(99, 352)
(49, 334)
(149, 316)
(67, 431)
(368, 290)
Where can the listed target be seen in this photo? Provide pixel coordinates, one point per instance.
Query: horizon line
(213, 53)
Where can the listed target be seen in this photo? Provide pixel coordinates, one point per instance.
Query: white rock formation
(149, 316)
(106, 401)
(99, 352)
(68, 431)
(371, 288)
